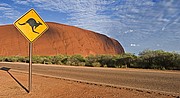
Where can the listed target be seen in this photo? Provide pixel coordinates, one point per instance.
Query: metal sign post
(30, 67)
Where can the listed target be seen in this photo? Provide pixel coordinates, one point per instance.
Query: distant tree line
(147, 59)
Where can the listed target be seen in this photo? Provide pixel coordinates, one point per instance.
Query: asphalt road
(165, 81)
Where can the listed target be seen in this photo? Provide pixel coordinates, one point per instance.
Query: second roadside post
(31, 26)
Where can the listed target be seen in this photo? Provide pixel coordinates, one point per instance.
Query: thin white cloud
(134, 45)
(25, 2)
(5, 5)
(129, 31)
(7, 11)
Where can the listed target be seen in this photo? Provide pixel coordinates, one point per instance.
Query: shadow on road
(7, 70)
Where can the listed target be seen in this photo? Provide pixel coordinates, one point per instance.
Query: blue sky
(136, 24)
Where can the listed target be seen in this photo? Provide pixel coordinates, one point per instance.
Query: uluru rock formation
(59, 39)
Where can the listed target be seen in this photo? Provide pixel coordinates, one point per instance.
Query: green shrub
(59, 59)
(158, 59)
(96, 64)
(90, 59)
(75, 60)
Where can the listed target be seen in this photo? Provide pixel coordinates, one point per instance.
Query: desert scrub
(12, 59)
(147, 59)
(75, 60)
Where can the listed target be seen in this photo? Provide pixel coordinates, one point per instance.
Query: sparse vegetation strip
(147, 59)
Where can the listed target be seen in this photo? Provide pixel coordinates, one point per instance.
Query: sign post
(30, 67)
(31, 26)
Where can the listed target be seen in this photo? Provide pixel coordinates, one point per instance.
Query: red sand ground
(59, 39)
(47, 87)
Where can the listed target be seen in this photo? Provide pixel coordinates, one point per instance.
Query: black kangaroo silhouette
(32, 22)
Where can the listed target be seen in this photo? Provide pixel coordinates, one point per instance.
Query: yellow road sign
(31, 25)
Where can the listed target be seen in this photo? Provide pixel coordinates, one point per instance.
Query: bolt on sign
(30, 25)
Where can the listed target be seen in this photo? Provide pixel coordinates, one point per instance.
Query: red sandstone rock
(59, 39)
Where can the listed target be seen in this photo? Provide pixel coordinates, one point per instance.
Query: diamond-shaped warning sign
(31, 25)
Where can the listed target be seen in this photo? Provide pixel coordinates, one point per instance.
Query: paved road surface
(165, 81)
